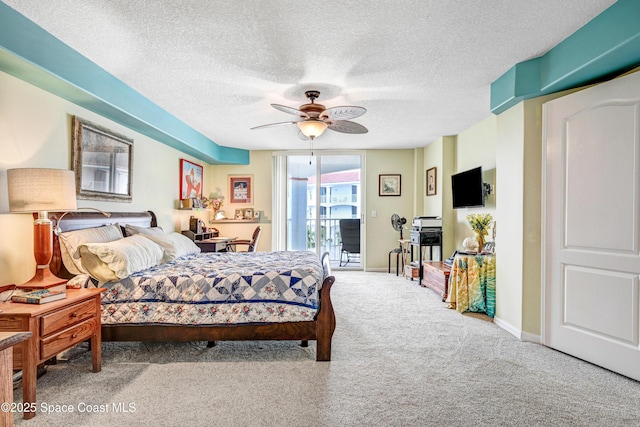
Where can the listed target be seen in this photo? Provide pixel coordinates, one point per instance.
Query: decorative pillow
(70, 242)
(121, 257)
(174, 244)
(130, 230)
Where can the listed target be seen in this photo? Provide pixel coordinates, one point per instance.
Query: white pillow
(130, 230)
(123, 257)
(70, 242)
(174, 244)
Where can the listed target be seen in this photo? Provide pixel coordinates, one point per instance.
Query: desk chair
(251, 244)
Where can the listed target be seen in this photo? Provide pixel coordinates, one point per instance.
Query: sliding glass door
(319, 193)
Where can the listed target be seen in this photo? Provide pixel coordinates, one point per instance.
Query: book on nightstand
(41, 296)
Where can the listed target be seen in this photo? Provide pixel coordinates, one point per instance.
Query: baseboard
(529, 337)
(516, 332)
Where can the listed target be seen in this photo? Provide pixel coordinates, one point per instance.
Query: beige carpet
(399, 359)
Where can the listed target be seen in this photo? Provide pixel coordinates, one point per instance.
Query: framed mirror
(103, 162)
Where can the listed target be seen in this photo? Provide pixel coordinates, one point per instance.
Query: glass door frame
(280, 180)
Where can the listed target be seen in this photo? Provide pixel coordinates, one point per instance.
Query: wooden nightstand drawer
(56, 343)
(53, 322)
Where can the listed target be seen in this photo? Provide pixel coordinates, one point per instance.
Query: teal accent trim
(35, 56)
(606, 46)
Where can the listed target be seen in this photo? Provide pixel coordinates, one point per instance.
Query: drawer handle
(75, 335)
(74, 314)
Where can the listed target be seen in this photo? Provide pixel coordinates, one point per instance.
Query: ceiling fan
(316, 118)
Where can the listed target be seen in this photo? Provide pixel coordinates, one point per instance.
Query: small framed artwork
(190, 180)
(239, 214)
(248, 213)
(256, 215)
(389, 185)
(431, 182)
(241, 189)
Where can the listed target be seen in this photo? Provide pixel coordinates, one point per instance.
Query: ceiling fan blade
(290, 110)
(346, 126)
(271, 125)
(302, 136)
(347, 112)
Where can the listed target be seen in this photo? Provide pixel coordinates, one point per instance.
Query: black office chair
(251, 244)
(350, 236)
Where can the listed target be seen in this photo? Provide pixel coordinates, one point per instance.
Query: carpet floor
(399, 359)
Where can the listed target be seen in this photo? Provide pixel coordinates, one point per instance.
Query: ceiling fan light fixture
(312, 128)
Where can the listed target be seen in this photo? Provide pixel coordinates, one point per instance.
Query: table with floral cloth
(472, 284)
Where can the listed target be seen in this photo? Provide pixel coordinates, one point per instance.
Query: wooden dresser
(436, 277)
(55, 327)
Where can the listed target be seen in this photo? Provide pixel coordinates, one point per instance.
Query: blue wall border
(31, 54)
(606, 46)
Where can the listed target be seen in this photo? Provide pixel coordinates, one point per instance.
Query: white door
(592, 225)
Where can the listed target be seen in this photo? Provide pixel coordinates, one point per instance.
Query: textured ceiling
(422, 68)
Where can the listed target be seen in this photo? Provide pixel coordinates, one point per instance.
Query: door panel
(321, 190)
(589, 290)
(591, 251)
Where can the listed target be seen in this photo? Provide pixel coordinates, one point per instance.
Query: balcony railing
(352, 198)
(329, 239)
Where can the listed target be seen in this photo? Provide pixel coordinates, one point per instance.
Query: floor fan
(398, 223)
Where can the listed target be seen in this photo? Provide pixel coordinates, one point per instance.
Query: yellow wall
(35, 131)
(475, 147)
(441, 155)
(260, 167)
(380, 236)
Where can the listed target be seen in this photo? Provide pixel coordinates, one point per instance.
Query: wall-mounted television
(467, 188)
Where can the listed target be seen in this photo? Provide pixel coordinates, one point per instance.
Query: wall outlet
(374, 213)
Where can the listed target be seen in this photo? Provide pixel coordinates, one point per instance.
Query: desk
(472, 284)
(214, 244)
(7, 341)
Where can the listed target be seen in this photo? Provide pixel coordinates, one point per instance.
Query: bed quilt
(215, 288)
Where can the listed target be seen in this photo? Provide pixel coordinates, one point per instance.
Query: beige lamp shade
(40, 189)
(312, 128)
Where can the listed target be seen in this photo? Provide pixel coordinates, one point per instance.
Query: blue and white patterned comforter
(215, 288)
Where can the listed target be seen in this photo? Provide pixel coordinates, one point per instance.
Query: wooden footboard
(321, 329)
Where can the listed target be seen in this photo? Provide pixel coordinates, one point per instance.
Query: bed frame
(320, 329)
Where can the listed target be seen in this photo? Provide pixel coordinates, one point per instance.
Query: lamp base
(44, 279)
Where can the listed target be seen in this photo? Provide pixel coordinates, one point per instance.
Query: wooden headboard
(80, 220)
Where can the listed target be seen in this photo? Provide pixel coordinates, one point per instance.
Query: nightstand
(55, 326)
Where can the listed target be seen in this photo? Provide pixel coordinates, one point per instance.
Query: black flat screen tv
(467, 188)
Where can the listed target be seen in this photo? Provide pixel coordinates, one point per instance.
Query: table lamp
(41, 190)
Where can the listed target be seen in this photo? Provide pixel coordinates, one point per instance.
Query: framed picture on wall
(431, 182)
(241, 189)
(96, 151)
(389, 185)
(190, 180)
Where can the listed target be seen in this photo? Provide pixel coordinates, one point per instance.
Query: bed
(203, 296)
